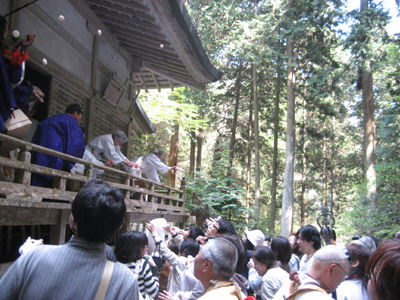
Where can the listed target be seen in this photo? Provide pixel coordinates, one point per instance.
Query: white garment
(352, 289)
(272, 280)
(306, 263)
(294, 263)
(188, 280)
(150, 164)
(311, 295)
(104, 146)
(178, 264)
(255, 280)
(79, 168)
(284, 291)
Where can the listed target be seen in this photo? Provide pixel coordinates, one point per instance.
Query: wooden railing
(140, 194)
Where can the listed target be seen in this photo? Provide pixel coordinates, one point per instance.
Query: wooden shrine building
(99, 54)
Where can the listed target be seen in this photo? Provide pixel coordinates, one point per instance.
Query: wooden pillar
(91, 102)
(173, 155)
(183, 189)
(24, 176)
(57, 231)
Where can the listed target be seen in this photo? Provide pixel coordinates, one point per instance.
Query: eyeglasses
(210, 226)
(342, 269)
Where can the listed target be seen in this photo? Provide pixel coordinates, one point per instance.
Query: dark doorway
(37, 77)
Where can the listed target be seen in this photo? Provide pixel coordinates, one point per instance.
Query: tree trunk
(235, 117)
(333, 161)
(249, 151)
(324, 177)
(199, 145)
(275, 155)
(192, 153)
(173, 155)
(288, 181)
(257, 201)
(369, 121)
(303, 166)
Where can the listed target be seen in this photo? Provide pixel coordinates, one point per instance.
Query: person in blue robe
(61, 133)
(10, 72)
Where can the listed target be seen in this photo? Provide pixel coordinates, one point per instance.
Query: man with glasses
(330, 267)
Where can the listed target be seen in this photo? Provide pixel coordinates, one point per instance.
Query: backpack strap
(306, 287)
(105, 280)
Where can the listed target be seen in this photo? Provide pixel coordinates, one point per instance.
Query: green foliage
(214, 194)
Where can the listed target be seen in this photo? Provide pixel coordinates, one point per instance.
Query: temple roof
(165, 49)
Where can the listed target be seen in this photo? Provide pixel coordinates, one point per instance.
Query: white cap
(256, 237)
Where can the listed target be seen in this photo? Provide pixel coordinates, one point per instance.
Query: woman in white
(273, 276)
(355, 285)
(151, 164)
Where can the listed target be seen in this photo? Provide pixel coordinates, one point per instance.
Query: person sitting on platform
(151, 163)
(60, 133)
(78, 269)
(108, 146)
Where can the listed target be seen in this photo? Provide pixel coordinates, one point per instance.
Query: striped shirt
(147, 282)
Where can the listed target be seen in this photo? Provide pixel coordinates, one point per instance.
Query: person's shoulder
(312, 295)
(122, 273)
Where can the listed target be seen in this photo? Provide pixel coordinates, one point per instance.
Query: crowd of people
(191, 264)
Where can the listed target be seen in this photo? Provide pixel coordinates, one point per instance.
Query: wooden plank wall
(64, 94)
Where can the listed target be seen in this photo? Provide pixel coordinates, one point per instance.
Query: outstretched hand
(109, 163)
(28, 40)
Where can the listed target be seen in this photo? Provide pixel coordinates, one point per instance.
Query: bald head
(330, 267)
(330, 253)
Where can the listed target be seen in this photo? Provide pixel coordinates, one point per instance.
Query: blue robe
(9, 73)
(61, 133)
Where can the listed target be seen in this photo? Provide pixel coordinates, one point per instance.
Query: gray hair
(119, 135)
(223, 255)
(158, 152)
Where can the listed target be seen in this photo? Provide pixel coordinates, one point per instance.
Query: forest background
(306, 115)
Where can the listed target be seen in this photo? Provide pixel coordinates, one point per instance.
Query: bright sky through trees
(394, 26)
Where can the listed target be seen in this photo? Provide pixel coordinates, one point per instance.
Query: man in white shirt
(108, 146)
(151, 164)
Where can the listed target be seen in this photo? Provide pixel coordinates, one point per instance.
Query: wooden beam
(119, 9)
(136, 23)
(142, 81)
(189, 83)
(170, 84)
(156, 82)
(16, 216)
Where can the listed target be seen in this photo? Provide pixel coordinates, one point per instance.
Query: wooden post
(24, 176)
(59, 183)
(57, 231)
(173, 155)
(183, 189)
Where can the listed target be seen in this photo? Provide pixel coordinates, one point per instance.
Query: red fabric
(16, 57)
(74, 117)
(250, 298)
